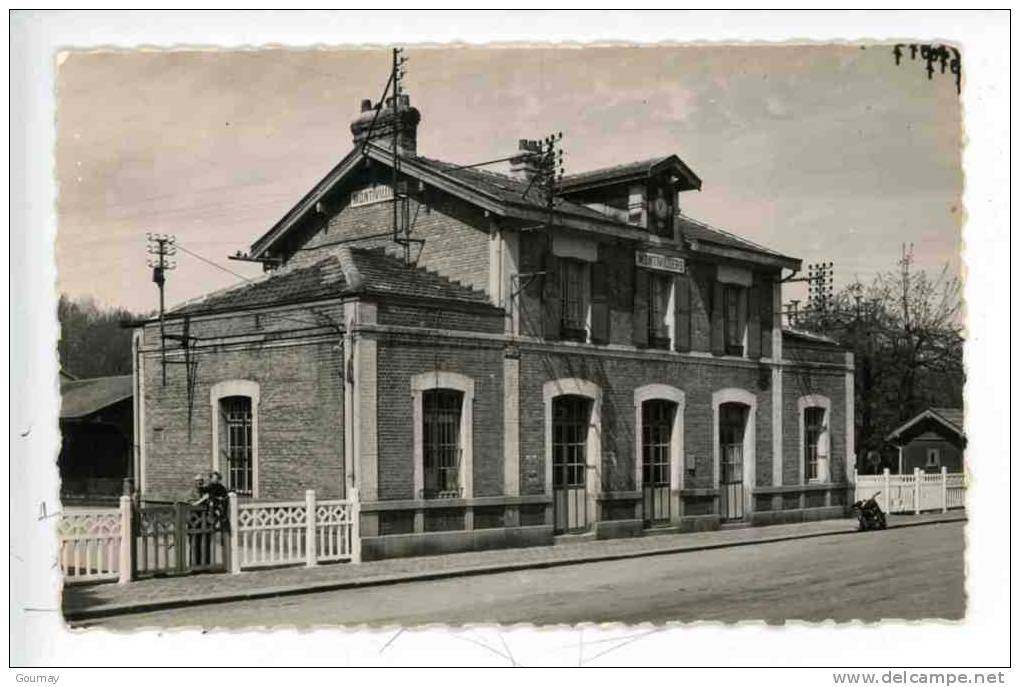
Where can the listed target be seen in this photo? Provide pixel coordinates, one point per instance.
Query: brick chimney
(394, 118)
(525, 166)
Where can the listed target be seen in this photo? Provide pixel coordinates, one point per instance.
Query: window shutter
(640, 333)
(754, 322)
(765, 316)
(682, 316)
(599, 303)
(530, 297)
(552, 303)
(718, 319)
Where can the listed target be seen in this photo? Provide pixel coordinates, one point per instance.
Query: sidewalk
(82, 602)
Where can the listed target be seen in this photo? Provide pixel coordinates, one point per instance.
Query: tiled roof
(323, 279)
(81, 397)
(616, 171)
(699, 231)
(511, 190)
(347, 271)
(507, 189)
(509, 193)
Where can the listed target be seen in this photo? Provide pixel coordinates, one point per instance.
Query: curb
(108, 610)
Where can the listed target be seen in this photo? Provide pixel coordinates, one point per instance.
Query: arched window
(235, 435)
(443, 437)
(813, 413)
(441, 449)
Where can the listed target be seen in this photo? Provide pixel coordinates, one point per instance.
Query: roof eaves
(618, 174)
(929, 413)
(747, 254)
(940, 412)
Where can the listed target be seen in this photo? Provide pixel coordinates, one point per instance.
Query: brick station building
(620, 370)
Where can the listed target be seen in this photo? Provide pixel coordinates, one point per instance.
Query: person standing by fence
(194, 541)
(218, 501)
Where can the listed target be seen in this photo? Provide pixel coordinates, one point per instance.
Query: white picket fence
(95, 544)
(956, 490)
(913, 493)
(294, 532)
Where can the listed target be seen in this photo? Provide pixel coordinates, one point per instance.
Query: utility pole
(401, 219)
(161, 247)
(820, 297)
(549, 173)
(549, 177)
(552, 172)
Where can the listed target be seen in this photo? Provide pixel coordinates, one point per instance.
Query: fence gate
(179, 538)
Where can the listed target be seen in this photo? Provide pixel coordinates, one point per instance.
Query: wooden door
(656, 435)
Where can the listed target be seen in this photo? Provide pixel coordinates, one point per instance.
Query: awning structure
(80, 398)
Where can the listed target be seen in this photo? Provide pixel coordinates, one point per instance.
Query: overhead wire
(291, 318)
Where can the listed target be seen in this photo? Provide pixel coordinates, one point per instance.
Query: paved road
(915, 572)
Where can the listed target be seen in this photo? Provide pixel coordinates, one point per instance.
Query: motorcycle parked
(869, 514)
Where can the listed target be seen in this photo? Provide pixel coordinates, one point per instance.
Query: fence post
(885, 491)
(235, 533)
(917, 490)
(355, 511)
(125, 562)
(310, 527)
(181, 543)
(945, 489)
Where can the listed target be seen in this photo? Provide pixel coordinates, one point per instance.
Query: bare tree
(906, 332)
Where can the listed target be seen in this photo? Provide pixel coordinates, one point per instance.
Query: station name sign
(657, 261)
(372, 194)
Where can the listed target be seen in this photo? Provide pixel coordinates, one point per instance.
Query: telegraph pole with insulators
(161, 247)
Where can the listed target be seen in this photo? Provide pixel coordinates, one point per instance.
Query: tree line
(92, 341)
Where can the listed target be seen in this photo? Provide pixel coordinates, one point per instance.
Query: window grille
(814, 425)
(732, 425)
(441, 450)
(571, 417)
(237, 449)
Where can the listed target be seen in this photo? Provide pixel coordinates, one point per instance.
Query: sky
(825, 152)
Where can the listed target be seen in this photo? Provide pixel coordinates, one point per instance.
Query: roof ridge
(479, 170)
(633, 163)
